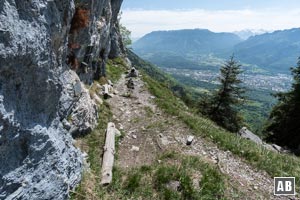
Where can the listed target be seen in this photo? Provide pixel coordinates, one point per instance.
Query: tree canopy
(283, 126)
(125, 33)
(222, 107)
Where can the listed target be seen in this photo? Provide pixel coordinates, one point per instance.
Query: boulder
(277, 147)
(133, 73)
(245, 133)
(269, 147)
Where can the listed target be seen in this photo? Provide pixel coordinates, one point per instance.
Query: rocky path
(149, 132)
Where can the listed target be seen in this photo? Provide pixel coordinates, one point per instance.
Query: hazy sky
(144, 16)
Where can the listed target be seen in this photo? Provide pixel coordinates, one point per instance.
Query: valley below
(256, 81)
(260, 90)
(194, 58)
(191, 114)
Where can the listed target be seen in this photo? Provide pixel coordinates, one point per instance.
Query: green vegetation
(115, 68)
(273, 163)
(149, 111)
(197, 179)
(223, 105)
(273, 52)
(266, 54)
(254, 111)
(212, 184)
(178, 89)
(93, 144)
(285, 116)
(125, 33)
(185, 44)
(149, 182)
(153, 182)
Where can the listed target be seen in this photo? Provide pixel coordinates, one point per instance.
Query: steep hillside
(275, 51)
(54, 111)
(266, 60)
(200, 49)
(42, 101)
(152, 159)
(184, 42)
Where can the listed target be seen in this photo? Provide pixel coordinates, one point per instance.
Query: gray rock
(99, 40)
(66, 124)
(133, 73)
(135, 148)
(189, 140)
(245, 133)
(38, 91)
(77, 89)
(134, 136)
(130, 84)
(110, 83)
(277, 147)
(174, 186)
(269, 147)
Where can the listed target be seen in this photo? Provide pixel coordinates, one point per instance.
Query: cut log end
(106, 178)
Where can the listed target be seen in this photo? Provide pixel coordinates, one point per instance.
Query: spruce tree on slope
(284, 122)
(224, 104)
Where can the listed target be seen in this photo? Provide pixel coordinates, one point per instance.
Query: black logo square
(284, 186)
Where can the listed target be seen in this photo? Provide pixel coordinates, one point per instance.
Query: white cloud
(141, 22)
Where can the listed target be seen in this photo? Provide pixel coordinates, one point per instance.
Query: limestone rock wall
(43, 101)
(94, 36)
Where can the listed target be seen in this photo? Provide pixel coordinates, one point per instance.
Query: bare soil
(151, 130)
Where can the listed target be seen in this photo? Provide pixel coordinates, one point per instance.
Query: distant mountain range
(186, 41)
(275, 52)
(246, 33)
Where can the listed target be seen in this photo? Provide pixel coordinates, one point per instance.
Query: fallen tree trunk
(109, 152)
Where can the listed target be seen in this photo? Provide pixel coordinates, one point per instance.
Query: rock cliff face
(43, 101)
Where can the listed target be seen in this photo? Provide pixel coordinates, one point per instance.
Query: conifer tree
(222, 108)
(284, 123)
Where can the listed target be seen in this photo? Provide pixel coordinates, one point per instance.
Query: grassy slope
(273, 163)
(149, 182)
(256, 109)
